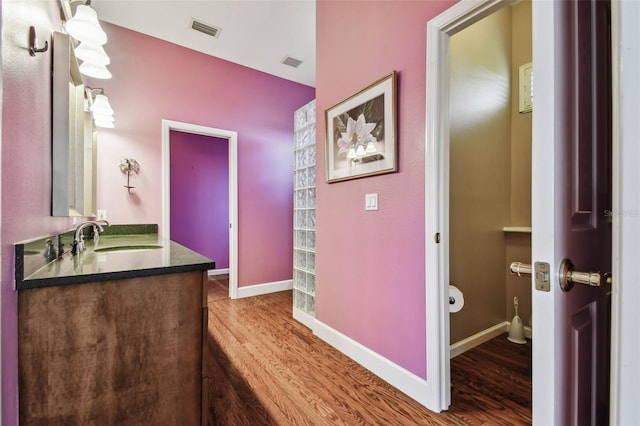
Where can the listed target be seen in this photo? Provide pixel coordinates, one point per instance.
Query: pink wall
(370, 267)
(152, 80)
(26, 162)
(200, 194)
(155, 80)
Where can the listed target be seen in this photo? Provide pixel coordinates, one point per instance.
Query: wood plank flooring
(264, 368)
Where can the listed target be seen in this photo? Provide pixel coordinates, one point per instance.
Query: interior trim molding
(213, 272)
(484, 336)
(266, 288)
(304, 318)
(400, 378)
(439, 31)
(625, 316)
(232, 137)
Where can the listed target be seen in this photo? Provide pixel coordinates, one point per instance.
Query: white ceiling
(255, 33)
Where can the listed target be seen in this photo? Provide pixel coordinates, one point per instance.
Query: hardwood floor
(264, 368)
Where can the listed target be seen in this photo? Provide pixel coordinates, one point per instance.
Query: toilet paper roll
(456, 299)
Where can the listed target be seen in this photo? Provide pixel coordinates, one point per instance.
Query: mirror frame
(73, 136)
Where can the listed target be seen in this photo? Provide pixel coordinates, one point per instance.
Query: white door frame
(439, 31)
(232, 137)
(626, 173)
(625, 316)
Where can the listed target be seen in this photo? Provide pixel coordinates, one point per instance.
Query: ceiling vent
(292, 62)
(205, 28)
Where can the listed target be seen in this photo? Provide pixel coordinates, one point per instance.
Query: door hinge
(436, 238)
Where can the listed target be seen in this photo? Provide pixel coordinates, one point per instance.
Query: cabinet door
(116, 352)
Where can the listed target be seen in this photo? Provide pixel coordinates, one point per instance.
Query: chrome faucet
(78, 239)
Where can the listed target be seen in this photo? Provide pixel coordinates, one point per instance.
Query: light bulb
(351, 153)
(360, 151)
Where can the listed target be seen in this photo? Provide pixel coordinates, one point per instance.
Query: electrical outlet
(102, 215)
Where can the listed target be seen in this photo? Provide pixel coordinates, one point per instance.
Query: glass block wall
(304, 214)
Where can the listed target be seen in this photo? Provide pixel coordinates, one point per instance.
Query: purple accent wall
(155, 80)
(370, 267)
(199, 191)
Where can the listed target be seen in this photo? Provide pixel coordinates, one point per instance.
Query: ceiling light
(84, 26)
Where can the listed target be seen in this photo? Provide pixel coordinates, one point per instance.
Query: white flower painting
(361, 137)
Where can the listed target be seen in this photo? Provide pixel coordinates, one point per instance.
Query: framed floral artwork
(361, 132)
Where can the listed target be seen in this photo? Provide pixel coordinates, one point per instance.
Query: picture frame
(361, 133)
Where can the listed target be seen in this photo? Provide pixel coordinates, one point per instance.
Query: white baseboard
(213, 272)
(483, 336)
(405, 381)
(306, 319)
(266, 288)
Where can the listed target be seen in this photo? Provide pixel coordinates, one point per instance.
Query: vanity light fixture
(86, 30)
(100, 108)
(84, 25)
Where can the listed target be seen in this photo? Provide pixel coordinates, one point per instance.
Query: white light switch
(102, 215)
(371, 201)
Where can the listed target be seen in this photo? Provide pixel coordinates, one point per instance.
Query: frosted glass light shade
(351, 153)
(106, 124)
(91, 52)
(104, 120)
(360, 150)
(95, 70)
(101, 106)
(84, 26)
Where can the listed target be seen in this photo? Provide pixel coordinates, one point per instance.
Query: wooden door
(571, 209)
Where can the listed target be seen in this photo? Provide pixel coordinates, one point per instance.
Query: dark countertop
(110, 258)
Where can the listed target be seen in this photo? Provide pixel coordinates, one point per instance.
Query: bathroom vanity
(113, 335)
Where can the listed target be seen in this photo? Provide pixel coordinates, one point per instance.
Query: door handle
(567, 277)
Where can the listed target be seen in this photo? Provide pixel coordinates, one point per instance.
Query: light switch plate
(102, 215)
(371, 201)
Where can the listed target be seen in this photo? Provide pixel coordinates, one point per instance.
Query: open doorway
(490, 204)
(212, 135)
(485, 91)
(548, 219)
(199, 201)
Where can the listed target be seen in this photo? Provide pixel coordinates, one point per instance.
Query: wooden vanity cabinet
(122, 352)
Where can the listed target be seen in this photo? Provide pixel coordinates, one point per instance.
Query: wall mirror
(73, 136)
